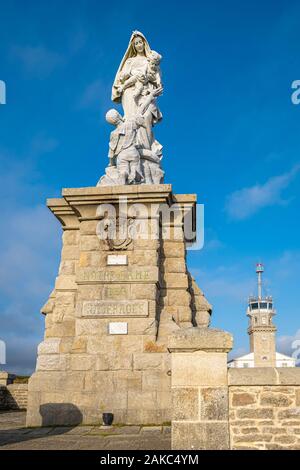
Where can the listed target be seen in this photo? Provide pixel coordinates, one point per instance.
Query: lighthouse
(262, 332)
(261, 328)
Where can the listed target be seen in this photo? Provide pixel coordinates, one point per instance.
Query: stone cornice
(268, 329)
(64, 213)
(79, 204)
(200, 339)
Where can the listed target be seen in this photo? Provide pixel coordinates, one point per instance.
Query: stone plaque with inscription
(116, 260)
(109, 275)
(121, 308)
(118, 328)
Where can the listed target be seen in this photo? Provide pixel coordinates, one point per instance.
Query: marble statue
(134, 153)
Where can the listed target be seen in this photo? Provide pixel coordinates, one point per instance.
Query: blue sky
(230, 134)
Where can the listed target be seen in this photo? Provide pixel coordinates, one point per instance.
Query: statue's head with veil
(137, 75)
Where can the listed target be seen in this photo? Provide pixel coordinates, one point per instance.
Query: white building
(248, 361)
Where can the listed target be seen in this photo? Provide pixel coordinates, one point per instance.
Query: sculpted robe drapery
(131, 65)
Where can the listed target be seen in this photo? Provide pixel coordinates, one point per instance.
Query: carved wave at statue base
(152, 174)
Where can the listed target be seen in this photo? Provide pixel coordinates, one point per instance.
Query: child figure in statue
(148, 73)
(123, 147)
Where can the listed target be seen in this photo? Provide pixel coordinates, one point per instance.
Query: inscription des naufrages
(114, 276)
(102, 308)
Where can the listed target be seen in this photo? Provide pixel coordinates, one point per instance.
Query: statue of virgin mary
(135, 155)
(139, 69)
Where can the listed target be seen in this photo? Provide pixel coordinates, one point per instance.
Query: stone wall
(200, 389)
(13, 396)
(264, 408)
(215, 407)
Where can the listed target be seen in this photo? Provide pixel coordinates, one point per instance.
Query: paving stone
(151, 430)
(14, 436)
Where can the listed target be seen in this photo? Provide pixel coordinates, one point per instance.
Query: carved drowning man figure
(126, 146)
(123, 151)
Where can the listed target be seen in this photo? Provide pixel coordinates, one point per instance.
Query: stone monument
(123, 286)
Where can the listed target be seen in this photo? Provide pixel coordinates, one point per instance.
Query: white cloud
(290, 345)
(213, 244)
(29, 253)
(26, 235)
(227, 282)
(37, 60)
(77, 39)
(42, 144)
(238, 352)
(245, 202)
(95, 95)
(19, 178)
(30, 245)
(21, 355)
(286, 266)
(212, 241)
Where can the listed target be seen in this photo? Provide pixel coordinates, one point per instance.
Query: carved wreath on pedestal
(117, 237)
